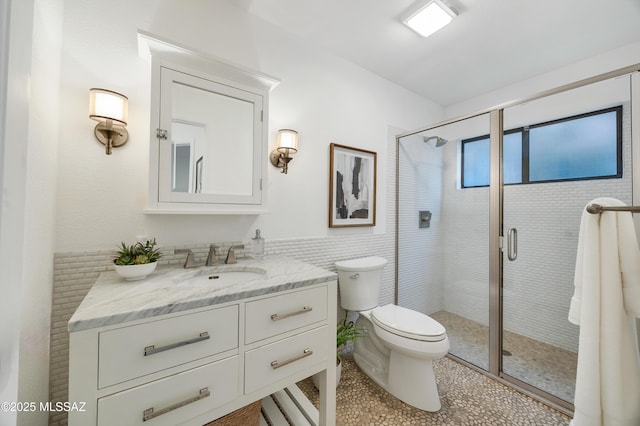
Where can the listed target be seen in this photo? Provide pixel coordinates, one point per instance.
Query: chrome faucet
(189, 262)
(212, 258)
(231, 254)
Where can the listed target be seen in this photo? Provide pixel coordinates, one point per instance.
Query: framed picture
(352, 187)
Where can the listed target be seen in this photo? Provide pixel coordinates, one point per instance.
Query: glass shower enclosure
(488, 213)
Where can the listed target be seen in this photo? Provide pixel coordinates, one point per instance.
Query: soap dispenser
(257, 247)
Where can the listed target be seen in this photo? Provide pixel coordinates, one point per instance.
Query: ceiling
(491, 43)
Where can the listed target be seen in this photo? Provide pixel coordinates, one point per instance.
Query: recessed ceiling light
(429, 18)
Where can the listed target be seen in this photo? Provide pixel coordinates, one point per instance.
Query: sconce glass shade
(286, 144)
(111, 110)
(108, 105)
(287, 141)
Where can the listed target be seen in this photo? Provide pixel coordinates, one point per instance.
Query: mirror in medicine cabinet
(209, 123)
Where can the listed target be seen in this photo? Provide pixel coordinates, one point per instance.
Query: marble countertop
(112, 300)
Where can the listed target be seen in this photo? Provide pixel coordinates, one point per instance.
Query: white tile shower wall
(75, 273)
(466, 246)
(420, 249)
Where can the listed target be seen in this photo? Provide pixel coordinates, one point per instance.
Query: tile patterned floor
(468, 398)
(547, 367)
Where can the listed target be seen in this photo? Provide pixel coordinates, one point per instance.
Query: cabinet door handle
(150, 350)
(278, 317)
(150, 413)
(277, 364)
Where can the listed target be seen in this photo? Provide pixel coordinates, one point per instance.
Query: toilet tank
(359, 282)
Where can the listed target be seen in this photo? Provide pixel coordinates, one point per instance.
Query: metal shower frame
(496, 198)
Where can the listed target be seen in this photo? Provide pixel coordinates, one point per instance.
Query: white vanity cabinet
(193, 366)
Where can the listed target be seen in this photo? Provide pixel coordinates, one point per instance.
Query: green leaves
(137, 254)
(347, 331)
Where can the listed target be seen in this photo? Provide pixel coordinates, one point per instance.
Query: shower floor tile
(546, 367)
(468, 398)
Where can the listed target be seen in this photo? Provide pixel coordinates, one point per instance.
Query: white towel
(605, 304)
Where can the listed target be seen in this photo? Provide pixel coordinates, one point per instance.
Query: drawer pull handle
(278, 317)
(149, 413)
(150, 350)
(277, 364)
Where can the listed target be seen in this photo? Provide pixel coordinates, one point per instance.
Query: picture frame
(352, 186)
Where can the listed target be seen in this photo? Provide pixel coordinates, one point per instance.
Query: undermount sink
(220, 277)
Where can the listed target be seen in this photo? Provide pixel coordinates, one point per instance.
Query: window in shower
(475, 160)
(585, 146)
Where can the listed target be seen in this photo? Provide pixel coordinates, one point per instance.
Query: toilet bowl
(400, 344)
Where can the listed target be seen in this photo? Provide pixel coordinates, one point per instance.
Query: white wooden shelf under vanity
(164, 352)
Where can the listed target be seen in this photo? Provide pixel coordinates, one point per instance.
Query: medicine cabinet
(209, 123)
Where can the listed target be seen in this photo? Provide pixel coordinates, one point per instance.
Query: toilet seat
(408, 323)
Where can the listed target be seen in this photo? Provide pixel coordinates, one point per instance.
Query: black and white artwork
(352, 187)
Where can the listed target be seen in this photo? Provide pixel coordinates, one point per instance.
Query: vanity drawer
(173, 399)
(135, 351)
(278, 314)
(276, 361)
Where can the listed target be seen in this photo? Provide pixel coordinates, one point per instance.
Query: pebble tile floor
(547, 367)
(468, 398)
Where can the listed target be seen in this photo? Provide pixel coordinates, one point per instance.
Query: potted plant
(136, 261)
(346, 332)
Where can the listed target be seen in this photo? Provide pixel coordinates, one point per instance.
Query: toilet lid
(408, 323)
(362, 264)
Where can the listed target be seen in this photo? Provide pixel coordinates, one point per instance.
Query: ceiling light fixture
(429, 18)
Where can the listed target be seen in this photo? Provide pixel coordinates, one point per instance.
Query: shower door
(443, 244)
(559, 153)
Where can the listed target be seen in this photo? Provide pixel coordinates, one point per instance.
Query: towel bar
(597, 209)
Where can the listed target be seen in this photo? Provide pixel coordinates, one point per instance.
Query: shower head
(439, 141)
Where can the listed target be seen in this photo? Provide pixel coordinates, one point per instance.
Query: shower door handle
(512, 244)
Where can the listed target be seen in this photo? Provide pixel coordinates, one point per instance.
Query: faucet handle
(189, 262)
(231, 254)
(212, 258)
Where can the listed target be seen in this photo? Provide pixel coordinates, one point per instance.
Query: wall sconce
(110, 109)
(286, 144)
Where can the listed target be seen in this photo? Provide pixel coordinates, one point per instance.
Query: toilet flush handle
(355, 276)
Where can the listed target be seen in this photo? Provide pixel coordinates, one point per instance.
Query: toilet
(400, 344)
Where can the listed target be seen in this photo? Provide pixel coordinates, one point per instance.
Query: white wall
(612, 60)
(15, 65)
(28, 197)
(326, 99)
(40, 203)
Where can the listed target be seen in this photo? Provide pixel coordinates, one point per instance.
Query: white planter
(135, 272)
(316, 379)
